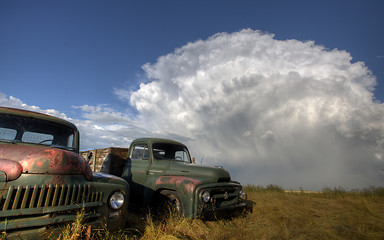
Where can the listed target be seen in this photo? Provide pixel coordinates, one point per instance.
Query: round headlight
(241, 194)
(116, 201)
(205, 196)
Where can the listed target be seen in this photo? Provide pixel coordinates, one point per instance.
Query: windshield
(36, 131)
(166, 151)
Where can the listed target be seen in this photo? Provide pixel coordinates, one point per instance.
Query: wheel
(171, 202)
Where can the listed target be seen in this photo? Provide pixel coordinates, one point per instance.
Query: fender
(185, 185)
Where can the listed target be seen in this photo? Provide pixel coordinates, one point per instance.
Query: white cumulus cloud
(103, 127)
(12, 102)
(287, 112)
(282, 112)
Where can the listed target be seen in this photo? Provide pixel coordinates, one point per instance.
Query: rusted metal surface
(26, 113)
(185, 185)
(40, 159)
(43, 185)
(11, 168)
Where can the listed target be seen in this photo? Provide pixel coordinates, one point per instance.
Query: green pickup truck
(162, 174)
(44, 182)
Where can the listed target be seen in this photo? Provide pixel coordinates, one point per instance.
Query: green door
(136, 172)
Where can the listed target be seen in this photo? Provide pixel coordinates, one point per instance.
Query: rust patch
(57, 179)
(11, 168)
(187, 184)
(41, 159)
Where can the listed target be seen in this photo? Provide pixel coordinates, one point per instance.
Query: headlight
(205, 196)
(116, 201)
(241, 194)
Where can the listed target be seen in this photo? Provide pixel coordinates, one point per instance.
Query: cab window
(140, 152)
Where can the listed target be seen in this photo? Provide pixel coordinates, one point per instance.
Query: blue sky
(71, 53)
(278, 92)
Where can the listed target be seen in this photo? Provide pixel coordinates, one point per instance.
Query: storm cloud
(287, 112)
(283, 112)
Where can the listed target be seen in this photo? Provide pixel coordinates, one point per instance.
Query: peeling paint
(40, 181)
(11, 168)
(180, 182)
(41, 159)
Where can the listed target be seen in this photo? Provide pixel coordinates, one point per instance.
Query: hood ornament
(226, 195)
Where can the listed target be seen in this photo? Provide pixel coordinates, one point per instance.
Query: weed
(334, 214)
(252, 188)
(74, 230)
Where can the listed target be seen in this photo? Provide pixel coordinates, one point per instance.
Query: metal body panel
(43, 185)
(57, 199)
(43, 159)
(151, 175)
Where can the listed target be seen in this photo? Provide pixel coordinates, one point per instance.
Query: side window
(70, 141)
(140, 152)
(181, 156)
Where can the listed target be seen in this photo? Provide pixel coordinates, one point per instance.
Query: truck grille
(223, 197)
(29, 197)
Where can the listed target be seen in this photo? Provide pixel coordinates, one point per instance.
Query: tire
(171, 203)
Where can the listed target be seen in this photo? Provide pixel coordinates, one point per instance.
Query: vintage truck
(44, 182)
(161, 174)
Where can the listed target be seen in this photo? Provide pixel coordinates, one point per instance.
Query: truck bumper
(208, 212)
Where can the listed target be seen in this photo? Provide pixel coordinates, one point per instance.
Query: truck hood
(16, 159)
(212, 174)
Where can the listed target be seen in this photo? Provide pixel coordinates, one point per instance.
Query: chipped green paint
(157, 165)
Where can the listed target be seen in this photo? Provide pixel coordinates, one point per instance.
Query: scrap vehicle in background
(162, 175)
(44, 182)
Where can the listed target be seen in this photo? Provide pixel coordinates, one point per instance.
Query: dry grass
(76, 230)
(333, 214)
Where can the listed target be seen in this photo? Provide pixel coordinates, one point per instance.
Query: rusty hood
(41, 160)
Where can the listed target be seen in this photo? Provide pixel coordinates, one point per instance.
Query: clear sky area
(278, 92)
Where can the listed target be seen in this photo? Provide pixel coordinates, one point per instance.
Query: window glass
(166, 151)
(181, 156)
(8, 134)
(33, 137)
(140, 152)
(70, 140)
(37, 131)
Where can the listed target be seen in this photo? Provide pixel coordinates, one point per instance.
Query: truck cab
(44, 182)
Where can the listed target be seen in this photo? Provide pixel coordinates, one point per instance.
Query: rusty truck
(162, 175)
(44, 182)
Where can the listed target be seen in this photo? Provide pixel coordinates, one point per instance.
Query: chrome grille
(224, 196)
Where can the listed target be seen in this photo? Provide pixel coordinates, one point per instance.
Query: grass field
(331, 214)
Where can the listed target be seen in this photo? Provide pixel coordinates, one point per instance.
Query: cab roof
(21, 112)
(159, 140)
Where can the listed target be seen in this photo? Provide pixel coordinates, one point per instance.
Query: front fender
(109, 184)
(184, 186)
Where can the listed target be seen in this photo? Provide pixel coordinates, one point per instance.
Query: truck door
(136, 172)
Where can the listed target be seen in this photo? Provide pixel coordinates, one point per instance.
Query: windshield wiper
(14, 141)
